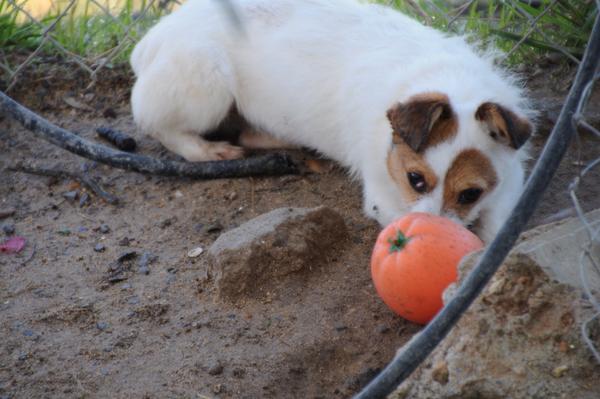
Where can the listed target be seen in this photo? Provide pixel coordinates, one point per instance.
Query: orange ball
(415, 259)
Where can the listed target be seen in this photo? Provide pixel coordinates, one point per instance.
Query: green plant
(85, 29)
(521, 30)
(13, 34)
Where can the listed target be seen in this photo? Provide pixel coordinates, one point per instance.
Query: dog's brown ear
(505, 126)
(424, 120)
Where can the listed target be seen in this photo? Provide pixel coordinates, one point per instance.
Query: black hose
(414, 352)
(271, 164)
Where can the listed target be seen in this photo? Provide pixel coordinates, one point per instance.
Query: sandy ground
(66, 331)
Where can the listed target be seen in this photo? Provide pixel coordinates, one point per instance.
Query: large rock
(249, 258)
(522, 337)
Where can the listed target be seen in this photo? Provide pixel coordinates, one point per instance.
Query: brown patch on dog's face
(423, 121)
(410, 171)
(470, 177)
(505, 126)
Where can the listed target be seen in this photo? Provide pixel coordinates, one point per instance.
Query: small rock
(147, 259)
(84, 200)
(116, 277)
(64, 232)
(250, 256)
(340, 327)
(195, 252)
(231, 196)
(559, 371)
(214, 228)
(23, 356)
(383, 329)
(127, 255)
(144, 270)
(125, 241)
(239, 372)
(71, 195)
(104, 229)
(440, 372)
(178, 194)
(4, 213)
(126, 286)
(99, 248)
(109, 113)
(218, 388)
(8, 229)
(102, 325)
(134, 300)
(199, 227)
(215, 368)
(29, 333)
(166, 222)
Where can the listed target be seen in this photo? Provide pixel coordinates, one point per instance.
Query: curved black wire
(271, 164)
(414, 352)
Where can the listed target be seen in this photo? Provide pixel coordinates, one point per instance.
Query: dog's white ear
(422, 121)
(505, 126)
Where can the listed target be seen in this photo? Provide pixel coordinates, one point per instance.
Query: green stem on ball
(399, 243)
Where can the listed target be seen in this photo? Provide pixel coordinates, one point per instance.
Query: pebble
(559, 371)
(231, 196)
(134, 300)
(165, 223)
(199, 227)
(127, 255)
(71, 195)
(239, 372)
(126, 286)
(109, 113)
(84, 200)
(7, 212)
(218, 388)
(64, 232)
(102, 325)
(382, 329)
(147, 259)
(214, 228)
(195, 252)
(340, 327)
(8, 229)
(104, 229)
(99, 248)
(215, 368)
(31, 334)
(144, 270)
(124, 241)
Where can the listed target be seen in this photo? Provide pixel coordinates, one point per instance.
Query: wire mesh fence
(589, 260)
(97, 34)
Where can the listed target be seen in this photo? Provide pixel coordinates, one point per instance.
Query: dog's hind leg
(182, 96)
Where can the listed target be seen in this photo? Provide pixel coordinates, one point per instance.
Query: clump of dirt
(158, 331)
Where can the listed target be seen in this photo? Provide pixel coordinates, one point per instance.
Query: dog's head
(463, 163)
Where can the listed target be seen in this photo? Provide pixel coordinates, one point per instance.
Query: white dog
(425, 122)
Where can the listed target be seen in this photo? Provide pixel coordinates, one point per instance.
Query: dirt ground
(65, 331)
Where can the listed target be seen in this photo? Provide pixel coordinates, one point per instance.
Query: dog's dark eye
(469, 196)
(417, 182)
